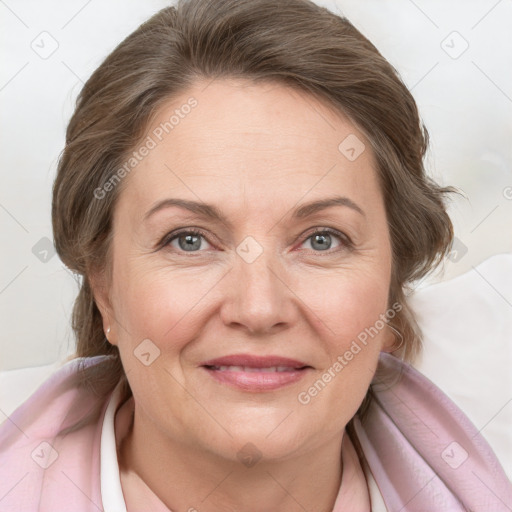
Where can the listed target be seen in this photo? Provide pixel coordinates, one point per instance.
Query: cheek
(350, 316)
(345, 303)
(159, 303)
(339, 387)
(154, 310)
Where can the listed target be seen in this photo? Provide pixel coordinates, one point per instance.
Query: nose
(258, 299)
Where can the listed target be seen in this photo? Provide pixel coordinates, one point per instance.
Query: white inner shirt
(111, 490)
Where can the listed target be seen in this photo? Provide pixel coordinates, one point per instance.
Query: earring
(401, 338)
(108, 331)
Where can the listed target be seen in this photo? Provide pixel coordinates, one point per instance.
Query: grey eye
(188, 241)
(322, 240)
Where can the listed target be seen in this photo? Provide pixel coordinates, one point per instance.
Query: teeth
(250, 369)
(231, 368)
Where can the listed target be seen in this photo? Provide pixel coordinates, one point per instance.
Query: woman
(243, 193)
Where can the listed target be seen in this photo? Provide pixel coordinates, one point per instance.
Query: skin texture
(256, 152)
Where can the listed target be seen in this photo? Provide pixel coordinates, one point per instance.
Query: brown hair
(292, 42)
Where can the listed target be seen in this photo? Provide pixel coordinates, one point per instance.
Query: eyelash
(345, 241)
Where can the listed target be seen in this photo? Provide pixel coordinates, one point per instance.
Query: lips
(255, 373)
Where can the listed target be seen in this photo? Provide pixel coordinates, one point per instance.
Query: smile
(255, 373)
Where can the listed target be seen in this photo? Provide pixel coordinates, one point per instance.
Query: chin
(267, 438)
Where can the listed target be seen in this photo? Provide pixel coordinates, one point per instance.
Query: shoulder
(423, 450)
(54, 437)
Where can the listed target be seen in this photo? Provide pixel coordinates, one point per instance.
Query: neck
(186, 478)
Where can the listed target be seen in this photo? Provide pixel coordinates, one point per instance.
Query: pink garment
(423, 452)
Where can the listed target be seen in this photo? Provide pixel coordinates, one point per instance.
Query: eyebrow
(212, 212)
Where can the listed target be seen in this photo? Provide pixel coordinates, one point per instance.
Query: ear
(100, 288)
(390, 339)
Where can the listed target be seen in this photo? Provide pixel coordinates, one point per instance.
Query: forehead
(234, 138)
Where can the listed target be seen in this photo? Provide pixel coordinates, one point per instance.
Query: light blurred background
(455, 57)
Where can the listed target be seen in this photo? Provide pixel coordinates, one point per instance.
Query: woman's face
(254, 163)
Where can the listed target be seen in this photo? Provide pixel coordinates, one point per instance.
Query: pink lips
(256, 373)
